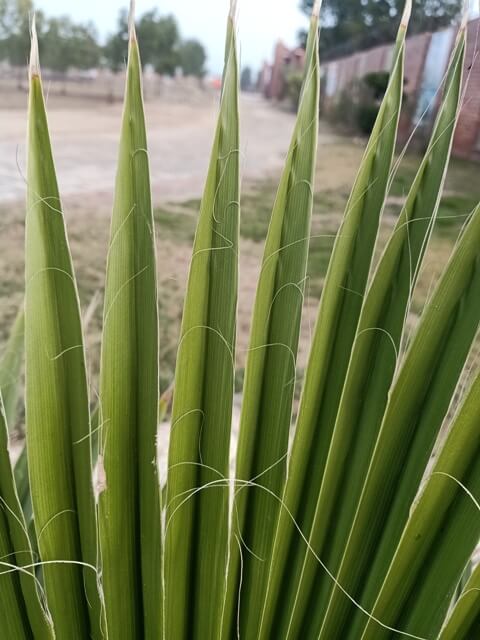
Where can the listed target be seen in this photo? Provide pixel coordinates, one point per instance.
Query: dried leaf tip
(131, 22)
(465, 14)
(34, 66)
(316, 8)
(233, 10)
(407, 12)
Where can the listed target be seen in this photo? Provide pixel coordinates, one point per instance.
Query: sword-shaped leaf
(463, 622)
(21, 611)
(129, 493)
(196, 544)
(57, 412)
(417, 405)
(376, 350)
(337, 321)
(10, 368)
(439, 538)
(270, 371)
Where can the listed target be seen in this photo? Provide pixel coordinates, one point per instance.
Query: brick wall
(272, 77)
(277, 78)
(339, 73)
(415, 55)
(344, 70)
(467, 137)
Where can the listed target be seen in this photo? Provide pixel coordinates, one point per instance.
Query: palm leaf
(195, 560)
(21, 611)
(129, 493)
(10, 368)
(439, 538)
(57, 413)
(418, 403)
(334, 334)
(464, 620)
(270, 371)
(376, 350)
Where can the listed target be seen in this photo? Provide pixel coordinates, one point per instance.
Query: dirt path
(85, 140)
(85, 143)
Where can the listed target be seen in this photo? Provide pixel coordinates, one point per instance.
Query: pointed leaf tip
(465, 14)
(34, 67)
(407, 12)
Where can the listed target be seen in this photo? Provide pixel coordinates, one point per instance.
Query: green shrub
(372, 89)
(359, 102)
(294, 81)
(377, 82)
(366, 116)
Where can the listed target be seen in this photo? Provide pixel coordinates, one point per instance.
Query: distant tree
(66, 45)
(115, 49)
(55, 46)
(158, 40)
(63, 43)
(15, 30)
(13, 14)
(192, 58)
(246, 79)
(352, 25)
(86, 51)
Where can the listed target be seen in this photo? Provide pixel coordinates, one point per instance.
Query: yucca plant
(350, 533)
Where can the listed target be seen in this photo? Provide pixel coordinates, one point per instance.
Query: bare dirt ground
(85, 142)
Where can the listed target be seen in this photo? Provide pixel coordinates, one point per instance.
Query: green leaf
(21, 466)
(196, 545)
(128, 483)
(57, 413)
(10, 368)
(22, 483)
(417, 405)
(375, 353)
(12, 615)
(439, 538)
(270, 370)
(21, 613)
(334, 335)
(465, 616)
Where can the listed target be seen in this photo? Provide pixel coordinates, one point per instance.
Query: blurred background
(83, 48)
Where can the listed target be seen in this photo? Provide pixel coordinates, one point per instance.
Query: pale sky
(261, 22)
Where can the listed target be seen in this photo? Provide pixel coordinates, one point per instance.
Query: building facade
(426, 60)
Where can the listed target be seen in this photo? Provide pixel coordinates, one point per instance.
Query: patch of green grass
(453, 211)
(461, 192)
(330, 202)
(318, 259)
(177, 222)
(257, 206)
(462, 177)
(405, 175)
(256, 211)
